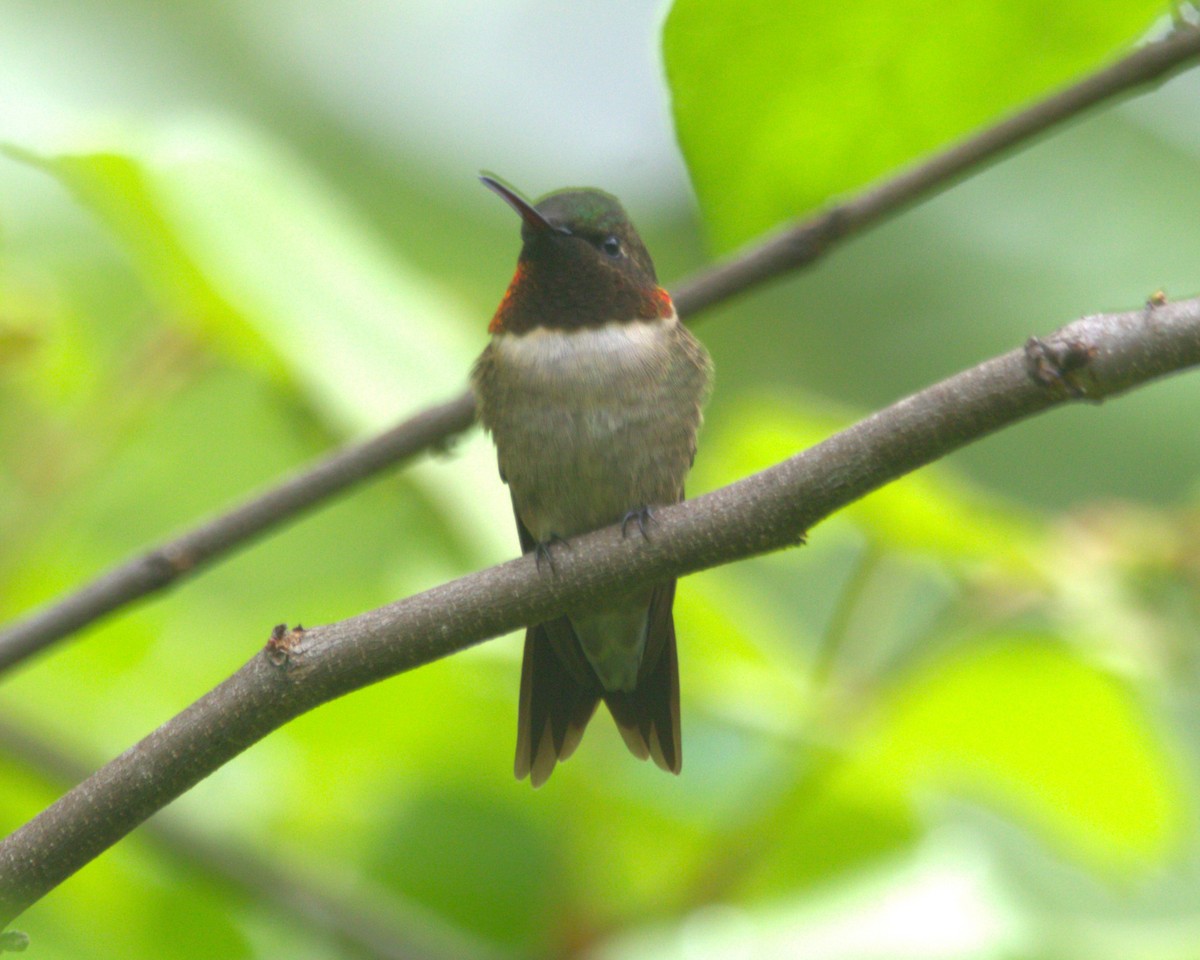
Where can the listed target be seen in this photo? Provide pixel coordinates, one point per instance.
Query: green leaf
(1024, 726)
(515, 874)
(932, 512)
(828, 824)
(1030, 727)
(122, 192)
(780, 107)
(241, 242)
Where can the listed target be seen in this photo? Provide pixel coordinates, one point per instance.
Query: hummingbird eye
(611, 246)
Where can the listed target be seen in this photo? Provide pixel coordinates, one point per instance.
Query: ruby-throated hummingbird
(592, 390)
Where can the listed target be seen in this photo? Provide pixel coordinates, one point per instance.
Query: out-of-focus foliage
(816, 100)
(931, 512)
(290, 280)
(959, 723)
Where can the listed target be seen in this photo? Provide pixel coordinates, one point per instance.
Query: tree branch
(1091, 359)
(384, 927)
(794, 247)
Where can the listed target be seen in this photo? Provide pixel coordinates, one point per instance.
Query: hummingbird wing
(648, 716)
(559, 693)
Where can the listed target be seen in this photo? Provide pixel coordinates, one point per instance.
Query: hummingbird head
(582, 264)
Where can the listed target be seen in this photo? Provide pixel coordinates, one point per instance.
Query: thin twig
(161, 566)
(1092, 359)
(795, 247)
(805, 242)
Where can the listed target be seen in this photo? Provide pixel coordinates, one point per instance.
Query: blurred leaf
(826, 825)
(780, 106)
(122, 191)
(742, 656)
(192, 915)
(941, 901)
(1028, 725)
(240, 240)
(489, 867)
(932, 512)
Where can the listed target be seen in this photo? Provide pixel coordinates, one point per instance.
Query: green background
(959, 723)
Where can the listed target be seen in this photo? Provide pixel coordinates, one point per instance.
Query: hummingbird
(592, 391)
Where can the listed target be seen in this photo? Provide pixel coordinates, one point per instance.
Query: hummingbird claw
(643, 517)
(541, 551)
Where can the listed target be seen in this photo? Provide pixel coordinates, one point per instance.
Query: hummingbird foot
(541, 551)
(643, 517)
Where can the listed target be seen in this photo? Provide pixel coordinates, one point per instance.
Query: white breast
(601, 361)
(592, 423)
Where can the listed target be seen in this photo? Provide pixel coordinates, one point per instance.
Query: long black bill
(518, 203)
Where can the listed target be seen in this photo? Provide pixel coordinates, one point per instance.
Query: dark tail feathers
(559, 693)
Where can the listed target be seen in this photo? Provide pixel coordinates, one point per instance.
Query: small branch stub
(1058, 363)
(282, 643)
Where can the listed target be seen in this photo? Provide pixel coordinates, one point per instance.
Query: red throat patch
(524, 290)
(657, 304)
(498, 324)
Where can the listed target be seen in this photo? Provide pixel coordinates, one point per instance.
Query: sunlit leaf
(1024, 727)
(932, 511)
(240, 240)
(781, 106)
(1032, 728)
